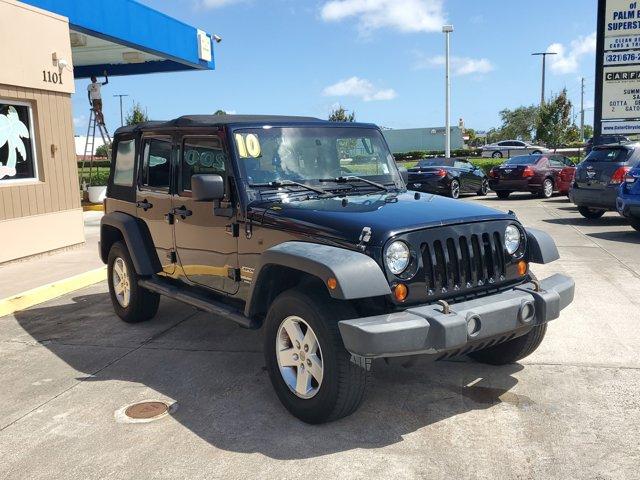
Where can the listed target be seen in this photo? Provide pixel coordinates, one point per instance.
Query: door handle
(144, 205)
(182, 212)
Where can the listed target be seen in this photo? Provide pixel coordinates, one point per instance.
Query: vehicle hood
(343, 219)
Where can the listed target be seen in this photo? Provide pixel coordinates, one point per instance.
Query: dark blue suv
(628, 201)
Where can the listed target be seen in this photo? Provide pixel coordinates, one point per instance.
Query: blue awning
(125, 37)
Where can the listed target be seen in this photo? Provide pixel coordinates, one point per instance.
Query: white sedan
(510, 148)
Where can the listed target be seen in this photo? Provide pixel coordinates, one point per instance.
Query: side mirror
(207, 188)
(404, 173)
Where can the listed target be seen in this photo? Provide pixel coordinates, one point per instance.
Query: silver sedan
(510, 148)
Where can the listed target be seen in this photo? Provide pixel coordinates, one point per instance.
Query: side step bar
(200, 301)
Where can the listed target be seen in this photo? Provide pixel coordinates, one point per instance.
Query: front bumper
(427, 330)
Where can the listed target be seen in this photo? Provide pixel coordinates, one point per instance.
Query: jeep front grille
(457, 263)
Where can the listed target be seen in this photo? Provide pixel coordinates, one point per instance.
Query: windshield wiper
(288, 183)
(352, 178)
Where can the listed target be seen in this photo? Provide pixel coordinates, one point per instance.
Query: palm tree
(12, 131)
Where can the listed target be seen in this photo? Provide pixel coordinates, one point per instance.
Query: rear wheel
(314, 376)
(503, 194)
(591, 213)
(496, 155)
(547, 188)
(131, 302)
(454, 189)
(513, 350)
(484, 188)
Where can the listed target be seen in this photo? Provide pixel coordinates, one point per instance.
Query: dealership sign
(618, 67)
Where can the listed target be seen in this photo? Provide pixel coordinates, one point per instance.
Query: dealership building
(45, 45)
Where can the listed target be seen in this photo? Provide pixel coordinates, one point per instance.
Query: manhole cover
(146, 410)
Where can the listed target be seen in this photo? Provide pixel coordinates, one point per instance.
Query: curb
(53, 290)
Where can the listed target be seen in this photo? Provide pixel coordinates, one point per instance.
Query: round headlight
(397, 257)
(512, 239)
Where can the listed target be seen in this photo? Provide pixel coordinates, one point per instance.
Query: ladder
(89, 147)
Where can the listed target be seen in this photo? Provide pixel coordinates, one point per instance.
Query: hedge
(406, 156)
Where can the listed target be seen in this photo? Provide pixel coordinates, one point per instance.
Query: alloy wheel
(485, 187)
(299, 357)
(548, 188)
(455, 189)
(121, 282)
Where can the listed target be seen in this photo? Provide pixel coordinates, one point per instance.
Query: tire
(496, 155)
(484, 188)
(503, 194)
(141, 304)
(344, 379)
(547, 189)
(454, 189)
(513, 350)
(536, 152)
(591, 213)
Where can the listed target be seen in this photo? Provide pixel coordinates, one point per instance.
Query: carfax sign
(618, 67)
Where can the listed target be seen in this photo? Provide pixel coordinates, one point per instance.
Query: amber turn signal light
(400, 291)
(332, 283)
(522, 268)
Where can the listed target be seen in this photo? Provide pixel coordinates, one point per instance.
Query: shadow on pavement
(606, 221)
(214, 370)
(630, 236)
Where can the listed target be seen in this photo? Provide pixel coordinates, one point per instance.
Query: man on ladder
(95, 96)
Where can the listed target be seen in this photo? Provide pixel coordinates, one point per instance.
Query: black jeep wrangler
(305, 227)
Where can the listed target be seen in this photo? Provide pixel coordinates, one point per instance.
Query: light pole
(121, 117)
(447, 29)
(544, 70)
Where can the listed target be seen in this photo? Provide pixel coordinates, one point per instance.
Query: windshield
(608, 155)
(523, 160)
(312, 155)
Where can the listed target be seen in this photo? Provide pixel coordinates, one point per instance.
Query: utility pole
(121, 117)
(447, 29)
(544, 71)
(582, 112)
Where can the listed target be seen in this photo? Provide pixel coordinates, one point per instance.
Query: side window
(462, 165)
(556, 162)
(156, 163)
(125, 162)
(201, 155)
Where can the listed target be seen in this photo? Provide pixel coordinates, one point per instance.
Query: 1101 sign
(51, 77)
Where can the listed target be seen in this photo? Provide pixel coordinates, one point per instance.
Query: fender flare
(137, 239)
(357, 275)
(542, 248)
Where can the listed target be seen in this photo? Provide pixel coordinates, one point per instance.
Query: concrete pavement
(571, 410)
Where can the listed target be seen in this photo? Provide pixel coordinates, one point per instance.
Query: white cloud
(402, 15)
(568, 58)
(459, 65)
(359, 87)
(217, 3)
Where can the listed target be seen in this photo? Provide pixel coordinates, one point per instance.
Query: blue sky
(380, 58)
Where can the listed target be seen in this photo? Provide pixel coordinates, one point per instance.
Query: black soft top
(215, 120)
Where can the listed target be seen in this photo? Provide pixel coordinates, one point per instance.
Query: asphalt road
(571, 410)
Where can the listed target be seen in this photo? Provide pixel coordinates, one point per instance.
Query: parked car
(628, 201)
(256, 220)
(450, 177)
(598, 178)
(538, 174)
(604, 140)
(509, 148)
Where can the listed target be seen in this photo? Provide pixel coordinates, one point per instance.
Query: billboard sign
(621, 128)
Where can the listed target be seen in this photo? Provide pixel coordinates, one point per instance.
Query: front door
(153, 199)
(206, 248)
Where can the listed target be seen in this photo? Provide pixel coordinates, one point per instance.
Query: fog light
(527, 312)
(400, 291)
(473, 325)
(522, 268)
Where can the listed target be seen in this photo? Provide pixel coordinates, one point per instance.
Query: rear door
(596, 170)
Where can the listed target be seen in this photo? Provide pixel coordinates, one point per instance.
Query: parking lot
(571, 410)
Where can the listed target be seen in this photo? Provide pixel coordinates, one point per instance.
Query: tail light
(441, 173)
(619, 175)
(528, 172)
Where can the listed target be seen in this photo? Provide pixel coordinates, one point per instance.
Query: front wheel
(314, 376)
(513, 350)
(591, 213)
(454, 189)
(132, 303)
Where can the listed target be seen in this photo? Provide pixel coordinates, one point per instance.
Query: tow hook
(446, 308)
